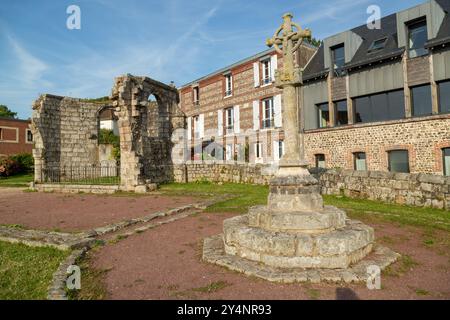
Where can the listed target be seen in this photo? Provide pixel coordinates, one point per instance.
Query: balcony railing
(268, 123)
(267, 80)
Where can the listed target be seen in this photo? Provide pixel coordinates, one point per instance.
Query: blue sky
(168, 40)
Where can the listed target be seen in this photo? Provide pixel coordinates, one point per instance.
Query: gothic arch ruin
(66, 131)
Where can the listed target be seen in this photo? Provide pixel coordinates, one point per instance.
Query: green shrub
(107, 136)
(16, 164)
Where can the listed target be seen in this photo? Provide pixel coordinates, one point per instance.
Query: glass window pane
(320, 161)
(338, 57)
(446, 155)
(341, 113)
(398, 161)
(363, 111)
(379, 105)
(421, 97)
(418, 36)
(360, 161)
(444, 97)
(396, 105)
(323, 115)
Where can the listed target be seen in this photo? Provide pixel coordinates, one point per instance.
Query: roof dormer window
(417, 37)
(338, 59)
(377, 45)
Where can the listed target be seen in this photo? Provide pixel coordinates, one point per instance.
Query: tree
(316, 42)
(6, 113)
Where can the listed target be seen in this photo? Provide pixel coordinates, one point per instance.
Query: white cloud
(30, 69)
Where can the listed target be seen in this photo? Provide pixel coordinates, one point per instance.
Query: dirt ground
(77, 212)
(165, 263)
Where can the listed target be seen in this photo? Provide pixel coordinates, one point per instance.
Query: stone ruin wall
(66, 131)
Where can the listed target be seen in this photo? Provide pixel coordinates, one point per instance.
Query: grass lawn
(18, 181)
(246, 196)
(26, 272)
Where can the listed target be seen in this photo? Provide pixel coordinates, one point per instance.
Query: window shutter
(256, 115)
(189, 128)
(237, 124)
(256, 73)
(277, 110)
(220, 122)
(201, 130)
(273, 66)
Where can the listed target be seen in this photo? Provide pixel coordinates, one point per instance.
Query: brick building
(373, 99)
(15, 136)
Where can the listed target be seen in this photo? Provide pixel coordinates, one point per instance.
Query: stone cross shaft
(286, 41)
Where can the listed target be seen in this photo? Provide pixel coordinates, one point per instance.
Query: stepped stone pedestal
(296, 238)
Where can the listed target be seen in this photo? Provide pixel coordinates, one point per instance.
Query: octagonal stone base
(333, 250)
(214, 252)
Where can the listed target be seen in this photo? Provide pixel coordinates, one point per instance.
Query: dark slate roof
(443, 35)
(316, 67)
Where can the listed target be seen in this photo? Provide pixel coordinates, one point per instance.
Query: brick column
(407, 91)
(350, 111)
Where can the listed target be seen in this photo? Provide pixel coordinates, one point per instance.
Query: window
(229, 120)
(29, 137)
(320, 161)
(446, 161)
(377, 45)
(341, 113)
(323, 115)
(1, 134)
(338, 58)
(398, 161)
(360, 161)
(266, 71)
(444, 97)
(196, 92)
(417, 37)
(258, 151)
(280, 149)
(421, 101)
(268, 113)
(196, 127)
(380, 107)
(228, 85)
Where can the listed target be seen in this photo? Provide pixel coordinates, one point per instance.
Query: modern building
(373, 99)
(15, 136)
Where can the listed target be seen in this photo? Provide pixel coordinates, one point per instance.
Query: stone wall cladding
(423, 137)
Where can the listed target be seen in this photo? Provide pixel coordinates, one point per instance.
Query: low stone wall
(223, 171)
(66, 188)
(422, 190)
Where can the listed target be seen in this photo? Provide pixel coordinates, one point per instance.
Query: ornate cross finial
(286, 40)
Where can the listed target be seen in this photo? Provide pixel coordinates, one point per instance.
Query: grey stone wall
(422, 190)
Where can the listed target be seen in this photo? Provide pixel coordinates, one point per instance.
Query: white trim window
(268, 113)
(229, 120)
(229, 152)
(266, 71)
(28, 136)
(196, 95)
(228, 85)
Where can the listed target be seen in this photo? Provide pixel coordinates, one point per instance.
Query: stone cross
(286, 41)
